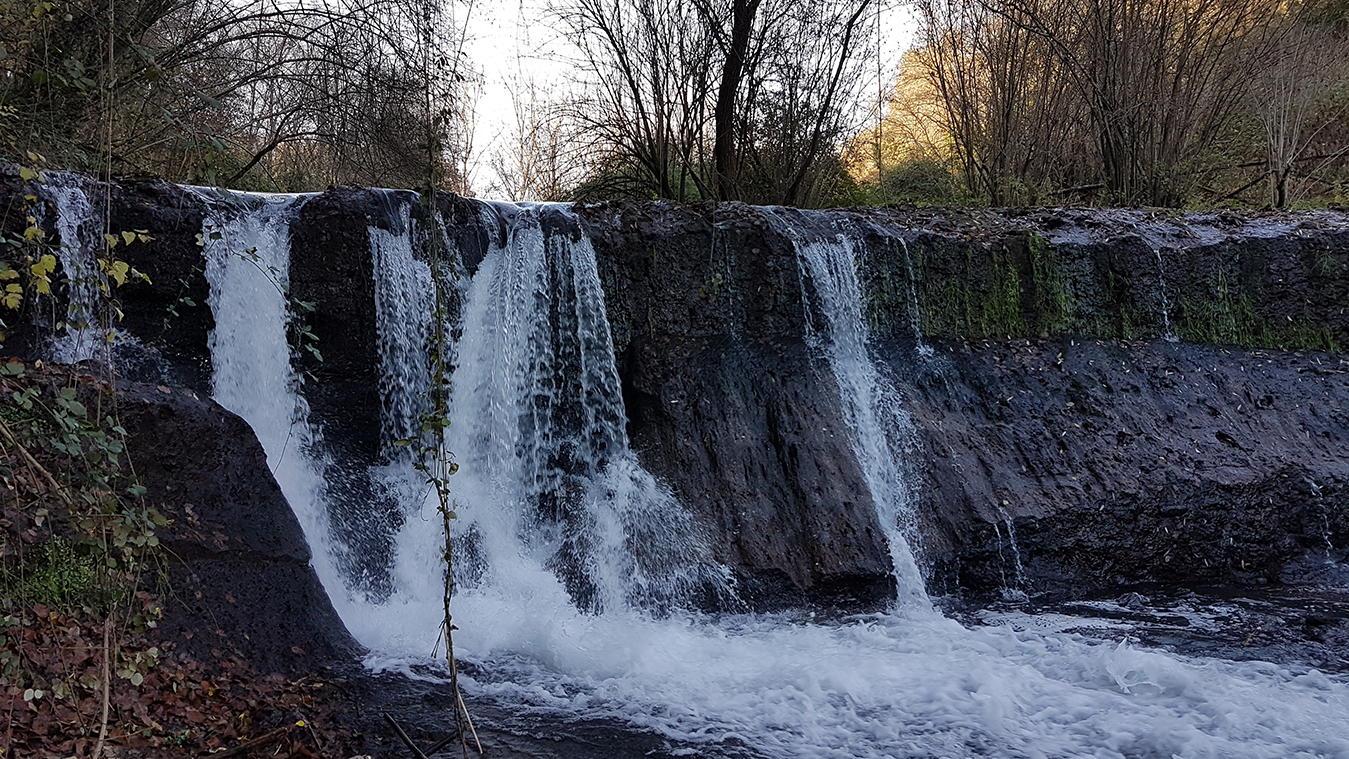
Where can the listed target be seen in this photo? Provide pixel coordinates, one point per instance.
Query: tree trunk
(732, 72)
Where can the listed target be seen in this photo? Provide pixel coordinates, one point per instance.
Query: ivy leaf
(45, 265)
(129, 237)
(118, 270)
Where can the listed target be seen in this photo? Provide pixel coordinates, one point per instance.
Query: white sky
(511, 38)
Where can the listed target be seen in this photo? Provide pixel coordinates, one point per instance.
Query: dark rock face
(169, 314)
(1121, 463)
(1112, 462)
(239, 576)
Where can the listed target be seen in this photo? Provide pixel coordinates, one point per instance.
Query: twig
(249, 745)
(402, 736)
(445, 742)
(28, 457)
(107, 686)
(469, 719)
(317, 745)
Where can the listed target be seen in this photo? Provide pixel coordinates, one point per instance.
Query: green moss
(1233, 320)
(986, 302)
(58, 574)
(999, 292)
(883, 301)
(1053, 298)
(1000, 313)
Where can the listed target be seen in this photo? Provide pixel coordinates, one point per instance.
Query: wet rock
(239, 579)
(1104, 456)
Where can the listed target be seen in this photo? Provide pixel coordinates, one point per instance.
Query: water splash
(551, 501)
(538, 428)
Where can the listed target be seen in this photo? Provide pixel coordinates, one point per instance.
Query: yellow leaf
(26, 173)
(8, 273)
(13, 288)
(112, 240)
(12, 300)
(118, 271)
(129, 237)
(45, 265)
(44, 286)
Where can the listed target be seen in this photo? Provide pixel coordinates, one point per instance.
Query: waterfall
(579, 565)
(404, 309)
(869, 402)
(549, 496)
(246, 245)
(80, 229)
(1168, 334)
(915, 310)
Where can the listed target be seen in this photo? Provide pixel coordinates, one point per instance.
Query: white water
(553, 504)
(870, 404)
(80, 228)
(247, 256)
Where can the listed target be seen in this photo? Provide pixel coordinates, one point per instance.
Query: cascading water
(580, 561)
(1169, 334)
(246, 244)
(552, 503)
(80, 229)
(869, 401)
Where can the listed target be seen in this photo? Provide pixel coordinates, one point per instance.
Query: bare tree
(1296, 104)
(221, 90)
(1161, 79)
(742, 100)
(543, 156)
(1005, 98)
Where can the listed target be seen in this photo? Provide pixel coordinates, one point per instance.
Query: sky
(509, 39)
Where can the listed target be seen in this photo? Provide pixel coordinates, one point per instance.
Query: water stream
(581, 570)
(80, 228)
